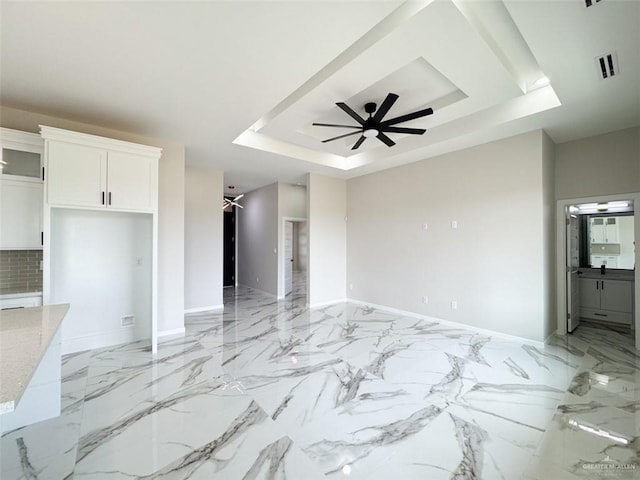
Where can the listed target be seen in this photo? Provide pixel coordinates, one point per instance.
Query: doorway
(596, 259)
(229, 247)
(295, 258)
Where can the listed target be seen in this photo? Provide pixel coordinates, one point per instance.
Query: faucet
(602, 269)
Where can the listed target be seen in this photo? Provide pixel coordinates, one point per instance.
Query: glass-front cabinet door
(20, 154)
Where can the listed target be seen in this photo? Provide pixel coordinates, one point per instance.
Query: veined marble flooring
(272, 390)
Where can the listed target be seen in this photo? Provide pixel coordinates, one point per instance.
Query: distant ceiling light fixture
(374, 126)
(226, 202)
(231, 187)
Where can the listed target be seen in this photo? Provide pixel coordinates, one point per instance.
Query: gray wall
(496, 265)
(601, 165)
(203, 260)
(258, 240)
(170, 206)
(327, 231)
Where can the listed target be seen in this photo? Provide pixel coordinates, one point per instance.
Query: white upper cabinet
(20, 190)
(95, 172)
(76, 175)
(20, 214)
(132, 181)
(604, 230)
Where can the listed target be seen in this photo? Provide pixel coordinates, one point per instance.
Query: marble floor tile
(270, 389)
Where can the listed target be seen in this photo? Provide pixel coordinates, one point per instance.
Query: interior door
(229, 277)
(573, 264)
(288, 258)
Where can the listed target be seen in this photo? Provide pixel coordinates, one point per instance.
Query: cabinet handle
(43, 174)
(602, 284)
(601, 314)
(42, 239)
(102, 198)
(597, 285)
(109, 198)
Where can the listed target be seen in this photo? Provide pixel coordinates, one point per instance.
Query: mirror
(610, 241)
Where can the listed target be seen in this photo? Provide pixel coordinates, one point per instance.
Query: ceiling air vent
(607, 65)
(588, 3)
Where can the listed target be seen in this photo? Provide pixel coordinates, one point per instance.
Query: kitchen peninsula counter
(29, 360)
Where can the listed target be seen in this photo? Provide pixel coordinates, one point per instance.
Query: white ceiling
(239, 83)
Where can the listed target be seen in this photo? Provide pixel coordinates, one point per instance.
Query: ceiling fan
(226, 202)
(375, 126)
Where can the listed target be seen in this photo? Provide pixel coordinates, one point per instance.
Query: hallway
(270, 389)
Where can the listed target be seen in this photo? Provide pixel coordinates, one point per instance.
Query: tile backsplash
(20, 271)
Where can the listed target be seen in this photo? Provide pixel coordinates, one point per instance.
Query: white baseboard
(484, 331)
(326, 304)
(99, 340)
(210, 308)
(175, 331)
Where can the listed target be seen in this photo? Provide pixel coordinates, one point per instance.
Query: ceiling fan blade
(386, 140)
(340, 136)
(350, 112)
(386, 105)
(359, 142)
(407, 117)
(413, 131)
(238, 197)
(333, 125)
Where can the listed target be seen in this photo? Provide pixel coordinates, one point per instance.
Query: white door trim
(561, 253)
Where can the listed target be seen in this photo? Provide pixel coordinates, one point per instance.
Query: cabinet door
(20, 214)
(598, 234)
(611, 230)
(76, 175)
(589, 293)
(617, 296)
(132, 181)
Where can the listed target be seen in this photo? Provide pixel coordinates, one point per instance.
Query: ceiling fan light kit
(374, 126)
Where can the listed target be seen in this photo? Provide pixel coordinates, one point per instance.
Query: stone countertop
(610, 274)
(4, 296)
(25, 335)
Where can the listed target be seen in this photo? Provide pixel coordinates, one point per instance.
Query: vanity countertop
(25, 335)
(609, 274)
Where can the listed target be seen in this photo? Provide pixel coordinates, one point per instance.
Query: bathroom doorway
(596, 258)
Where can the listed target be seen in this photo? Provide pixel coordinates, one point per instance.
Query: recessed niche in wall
(101, 263)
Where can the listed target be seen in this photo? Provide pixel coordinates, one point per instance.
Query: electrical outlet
(454, 305)
(425, 226)
(127, 320)
(351, 286)
(425, 300)
(257, 279)
(454, 224)
(139, 261)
